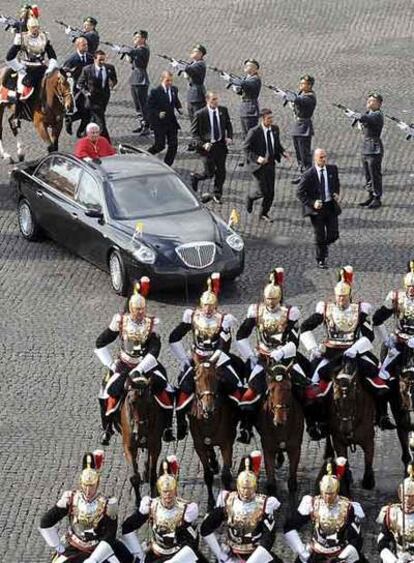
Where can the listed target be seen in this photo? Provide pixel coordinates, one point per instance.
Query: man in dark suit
(196, 74)
(372, 149)
(303, 105)
(75, 64)
(212, 131)
(263, 149)
(318, 191)
(96, 81)
(162, 103)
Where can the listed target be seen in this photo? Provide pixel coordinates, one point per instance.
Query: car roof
(132, 165)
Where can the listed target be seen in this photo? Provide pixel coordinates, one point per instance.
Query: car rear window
(145, 196)
(60, 173)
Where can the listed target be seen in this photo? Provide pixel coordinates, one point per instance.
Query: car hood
(175, 229)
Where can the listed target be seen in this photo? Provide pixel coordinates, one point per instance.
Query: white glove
(304, 556)
(315, 354)
(162, 114)
(277, 355)
(175, 64)
(68, 30)
(410, 342)
(350, 353)
(116, 48)
(226, 76)
(390, 341)
(349, 113)
(253, 361)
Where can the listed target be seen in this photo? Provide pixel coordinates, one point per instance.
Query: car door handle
(74, 215)
(39, 193)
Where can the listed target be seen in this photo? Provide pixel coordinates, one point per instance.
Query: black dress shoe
(194, 182)
(375, 203)
(367, 202)
(322, 264)
(295, 181)
(266, 218)
(249, 205)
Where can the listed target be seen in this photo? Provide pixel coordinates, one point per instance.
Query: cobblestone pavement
(53, 304)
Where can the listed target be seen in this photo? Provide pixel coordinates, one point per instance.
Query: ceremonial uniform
(139, 79)
(250, 519)
(172, 521)
(88, 32)
(195, 72)
(372, 150)
(140, 347)
(91, 535)
(336, 526)
(211, 335)
(248, 88)
(302, 128)
(399, 303)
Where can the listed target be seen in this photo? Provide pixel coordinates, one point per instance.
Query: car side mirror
(95, 212)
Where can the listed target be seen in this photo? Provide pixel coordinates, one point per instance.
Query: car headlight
(235, 242)
(144, 254)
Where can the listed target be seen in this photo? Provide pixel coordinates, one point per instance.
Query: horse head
(406, 385)
(345, 383)
(56, 86)
(205, 388)
(139, 394)
(279, 392)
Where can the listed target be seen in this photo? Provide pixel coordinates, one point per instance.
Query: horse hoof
(280, 460)
(368, 482)
(292, 485)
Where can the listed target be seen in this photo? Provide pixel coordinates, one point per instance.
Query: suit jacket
(372, 124)
(158, 101)
(75, 64)
(255, 145)
(303, 108)
(92, 37)
(196, 72)
(309, 189)
(89, 81)
(248, 88)
(201, 127)
(139, 58)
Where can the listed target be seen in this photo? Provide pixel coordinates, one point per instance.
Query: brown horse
(280, 424)
(46, 108)
(213, 422)
(352, 417)
(141, 426)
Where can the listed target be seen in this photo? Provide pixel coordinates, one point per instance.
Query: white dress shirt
(210, 115)
(325, 175)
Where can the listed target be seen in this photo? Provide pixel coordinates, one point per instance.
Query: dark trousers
(373, 175)
(303, 152)
(214, 162)
(165, 134)
(248, 122)
(81, 114)
(325, 227)
(264, 187)
(97, 115)
(140, 96)
(192, 107)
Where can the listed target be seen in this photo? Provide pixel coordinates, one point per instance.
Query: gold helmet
(247, 478)
(345, 279)
(32, 22)
(91, 468)
(210, 297)
(273, 289)
(409, 276)
(168, 480)
(329, 483)
(406, 490)
(141, 290)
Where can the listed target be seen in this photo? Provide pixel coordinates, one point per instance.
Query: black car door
(93, 242)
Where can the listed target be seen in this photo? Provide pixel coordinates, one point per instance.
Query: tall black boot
(316, 424)
(106, 422)
(182, 424)
(168, 434)
(383, 420)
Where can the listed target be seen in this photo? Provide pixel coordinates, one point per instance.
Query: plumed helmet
(273, 289)
(141, 290)
(345, 279)
(168, 479)
(249, 471)
(329, 483)
(32, 22)
(210, 297)
(92, 464)
(409, 276)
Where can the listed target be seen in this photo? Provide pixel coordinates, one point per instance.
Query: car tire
(28, 225)
(117, 271)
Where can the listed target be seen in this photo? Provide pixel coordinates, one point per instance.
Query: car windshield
(144, 196)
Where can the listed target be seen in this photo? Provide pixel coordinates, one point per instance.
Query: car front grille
(197, 254)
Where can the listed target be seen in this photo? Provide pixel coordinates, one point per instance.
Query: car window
(88, 191)
(61, 174)
(143, 196)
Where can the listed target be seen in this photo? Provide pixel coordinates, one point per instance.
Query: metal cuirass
(329, 521)
(404, 316)
(270, 326)
(243, 519)
(33, 48)
(341, 325)
(134, 335)
(402, 528)
(206, 331)
(164, 522)
(84, 517)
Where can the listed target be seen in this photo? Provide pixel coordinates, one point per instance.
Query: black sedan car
(129, 214)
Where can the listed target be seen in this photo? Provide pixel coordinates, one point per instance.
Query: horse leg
(402, 434)
(212, 458)
(41, 129)
(4, 155)
(294, 456)
(368, 481)
(154, 450)
(227, 455)
(202, 453)
(55, 134)
(329, 449)
(131, 453)
(269, 454)
(20, 149)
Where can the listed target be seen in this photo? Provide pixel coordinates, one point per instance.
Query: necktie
(216, 128)
(100, 77)
(323, 184)
(270, 150)
(169, 95)
(84, 59)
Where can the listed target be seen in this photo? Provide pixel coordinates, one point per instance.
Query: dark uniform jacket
(92, 37)
(372, 124)
(249, 89)
(201, 128)
(139, 58)
(196, 72)
(75, 64)
(158, 101)
(309, 189)
(89, 81)
(303, 108)
(255, 145)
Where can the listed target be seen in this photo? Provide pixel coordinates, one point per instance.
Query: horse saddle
(11, 87)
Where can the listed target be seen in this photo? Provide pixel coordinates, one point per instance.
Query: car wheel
(117, 272)
(28, 225)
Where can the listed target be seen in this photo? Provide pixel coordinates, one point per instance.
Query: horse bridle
(62, 96)
(199, 395)
(351, 379)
